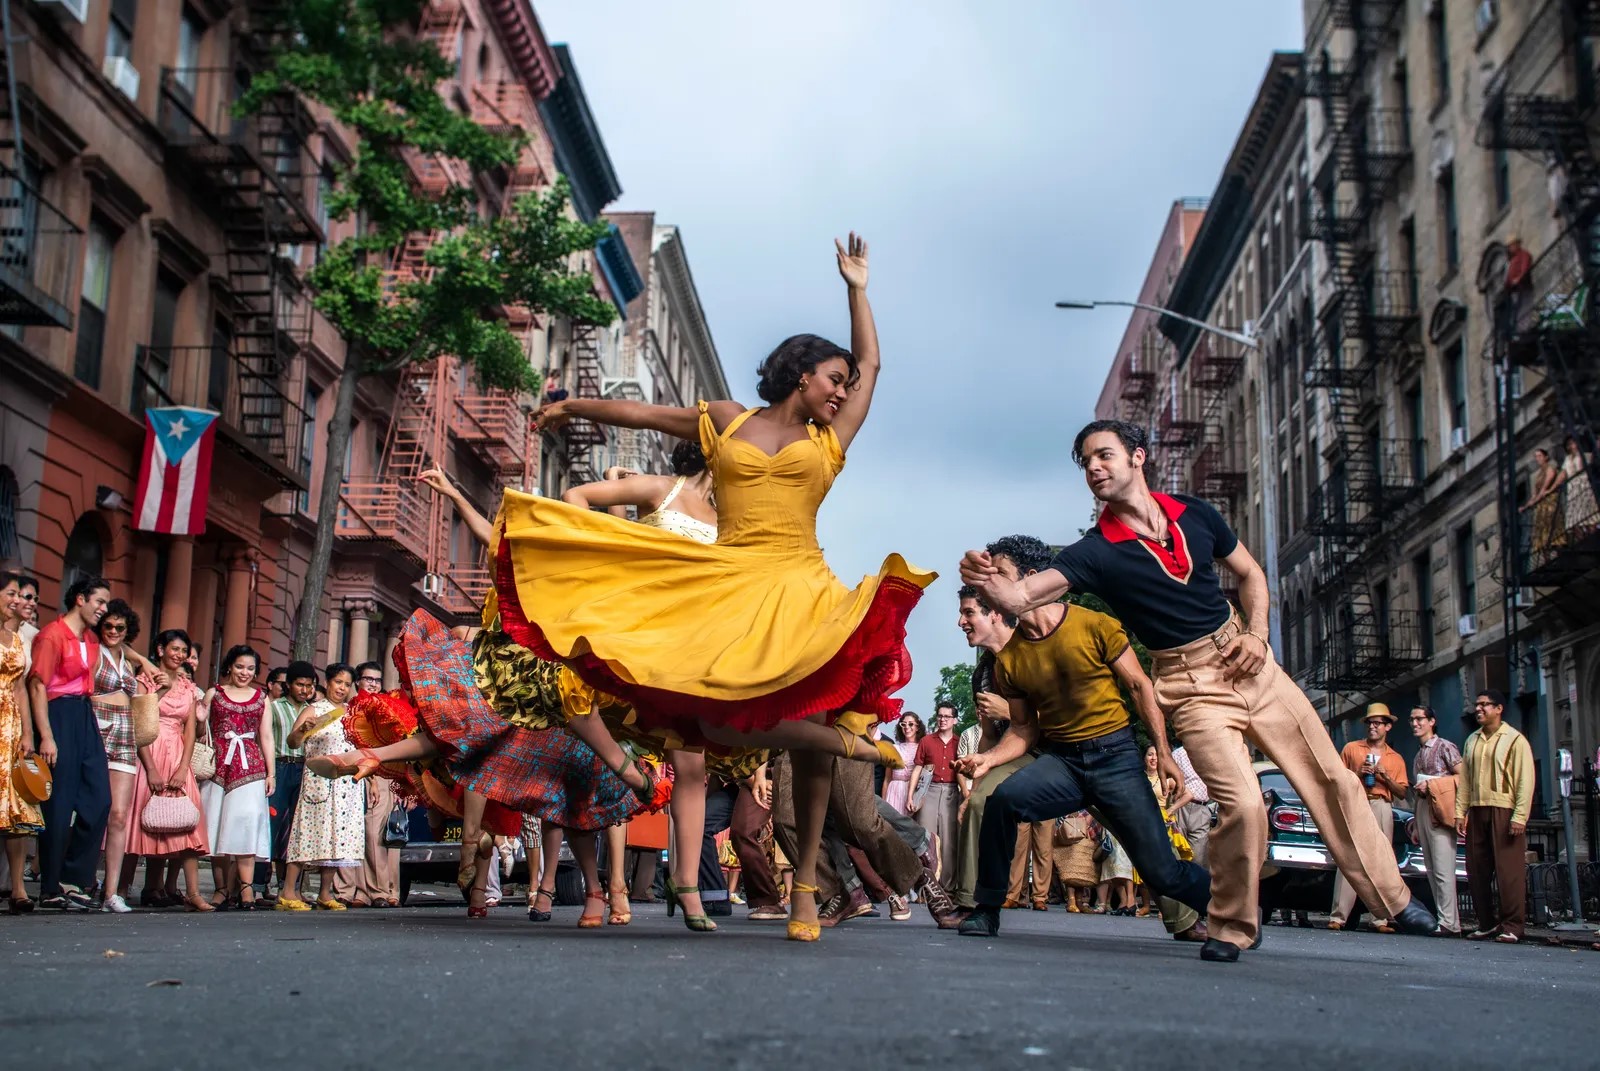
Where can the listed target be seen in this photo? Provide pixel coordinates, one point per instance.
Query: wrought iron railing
(38, 249)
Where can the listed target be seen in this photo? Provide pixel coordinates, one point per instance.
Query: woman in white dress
(1582, 514)
(330, 828)
(239, 816)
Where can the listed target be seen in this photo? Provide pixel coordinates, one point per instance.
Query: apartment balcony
(1338, 362)
(1333, 222)
(257, 415)
(390, 515)
(38, 247)
(1569, 549)
(1175, 432)
(461, 589)
(1217, 365)
(1371, 148)
(1532, 100)
(1369, 648)
(436, 175)
(1138, 388)
(258, 167)
(495, 424)
(1217, 474)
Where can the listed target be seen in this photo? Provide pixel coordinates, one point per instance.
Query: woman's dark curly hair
(688, 459)
(119, 608)
(779, 375)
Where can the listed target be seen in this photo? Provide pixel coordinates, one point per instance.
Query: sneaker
(844, 906)
(947, 914)
(899, 910)
(115, 905)
(983, 922)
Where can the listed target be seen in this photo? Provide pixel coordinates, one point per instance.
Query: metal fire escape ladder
(1542, 101)
(583, 436)
(1369, 316)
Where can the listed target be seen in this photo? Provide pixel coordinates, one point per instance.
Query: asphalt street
(422, 986)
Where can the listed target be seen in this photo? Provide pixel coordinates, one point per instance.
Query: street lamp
(1245, 339)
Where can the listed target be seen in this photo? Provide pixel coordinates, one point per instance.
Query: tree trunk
(309, 618)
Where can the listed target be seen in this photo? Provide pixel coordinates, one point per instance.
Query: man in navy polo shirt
(1151, 557)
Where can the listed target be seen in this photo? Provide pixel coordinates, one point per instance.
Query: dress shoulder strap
(736, 423)
(677, 485)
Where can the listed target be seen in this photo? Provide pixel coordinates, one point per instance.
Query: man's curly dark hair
(779, 375)
(687, 459)
(1028, 554)
(1132, 436)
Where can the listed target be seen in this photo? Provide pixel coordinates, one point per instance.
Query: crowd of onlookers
(145, 766)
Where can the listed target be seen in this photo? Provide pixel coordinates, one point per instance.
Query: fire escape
(1370, 316)
(255, 170)
(1217, 475)
(1542, 101)
(38, 244)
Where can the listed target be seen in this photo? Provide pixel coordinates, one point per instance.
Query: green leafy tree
(358, 59)
(955, 688)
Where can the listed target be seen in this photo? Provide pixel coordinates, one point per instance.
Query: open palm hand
(853, 261)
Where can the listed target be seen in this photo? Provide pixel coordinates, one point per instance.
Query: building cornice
(519, 29)
(684, 300)
(579, 150)
(1226, 227)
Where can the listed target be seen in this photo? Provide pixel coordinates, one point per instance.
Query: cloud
(998, 157)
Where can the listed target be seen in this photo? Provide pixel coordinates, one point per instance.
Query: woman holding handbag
(116, 677)
(19, 816)
(168, 824)
(330, 829)
(238, 819)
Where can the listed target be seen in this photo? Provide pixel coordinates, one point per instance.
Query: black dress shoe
(1416, 919)
(1257, 942)
(983, 922)
(1215, 951)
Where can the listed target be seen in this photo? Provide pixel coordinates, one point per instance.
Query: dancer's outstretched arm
(863, 338)
(679, 422)
(642, 492)
(476, 523)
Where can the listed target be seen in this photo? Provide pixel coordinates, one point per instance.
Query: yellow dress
(745, 632)
(18, 817)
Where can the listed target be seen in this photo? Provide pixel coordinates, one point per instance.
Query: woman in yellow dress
(751, 641)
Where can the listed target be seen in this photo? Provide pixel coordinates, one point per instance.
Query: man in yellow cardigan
(1493, 799)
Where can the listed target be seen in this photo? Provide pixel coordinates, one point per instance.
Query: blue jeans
(1106, 773)
(283, 801)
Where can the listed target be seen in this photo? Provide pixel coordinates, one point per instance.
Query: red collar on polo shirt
(1176, 561)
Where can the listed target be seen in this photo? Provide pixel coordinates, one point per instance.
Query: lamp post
(1244, 339)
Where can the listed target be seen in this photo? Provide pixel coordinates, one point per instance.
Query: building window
(1380, 609)
(85, 554)
(1422, 577)
(1408, 253)
(221, 366)
(1439, 38)
(96, 297)
(1501, 164)
(1417, 413)
(1466, 572)
(119, 31)
(1455, 371)
(308, 443)
(10, 545)
(190, 32)
(152, 374)
(1449, 222)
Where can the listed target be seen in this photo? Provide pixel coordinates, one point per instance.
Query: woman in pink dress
(897, 783)
(164, 770)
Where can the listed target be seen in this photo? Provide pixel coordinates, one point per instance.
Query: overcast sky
(997, 155)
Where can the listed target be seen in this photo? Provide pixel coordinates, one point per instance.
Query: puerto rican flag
(175, 475)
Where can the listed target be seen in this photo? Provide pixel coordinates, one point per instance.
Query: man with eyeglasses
(936, 809)
(377, 883)
(1493, 801)
(1433, 781)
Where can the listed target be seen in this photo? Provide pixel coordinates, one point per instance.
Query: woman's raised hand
(853, 261)
(437, 481)
(553, 416)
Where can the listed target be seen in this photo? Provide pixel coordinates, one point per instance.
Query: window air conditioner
(122, 74)
(1458, 439)
(1467, 625)
(78, 10)
(1486, 16)
(1522, 599)
(432, 585)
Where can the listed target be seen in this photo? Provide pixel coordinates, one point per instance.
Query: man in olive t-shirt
(1060, 673)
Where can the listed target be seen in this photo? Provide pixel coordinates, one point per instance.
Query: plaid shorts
(116, 732)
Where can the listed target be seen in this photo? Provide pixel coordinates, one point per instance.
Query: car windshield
(1274, 780)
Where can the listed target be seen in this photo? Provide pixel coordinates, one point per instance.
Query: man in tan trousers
(1152, 558)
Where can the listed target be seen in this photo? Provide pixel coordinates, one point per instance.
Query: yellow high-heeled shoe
(885, 753)
(804, 931)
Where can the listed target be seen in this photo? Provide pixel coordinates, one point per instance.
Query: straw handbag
(203, 760)
(169, 814)
(145, 710)
(32, 778)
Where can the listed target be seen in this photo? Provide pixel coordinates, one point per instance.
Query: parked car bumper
(1312, 857)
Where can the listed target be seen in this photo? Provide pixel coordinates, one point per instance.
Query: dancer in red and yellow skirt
(751, 641)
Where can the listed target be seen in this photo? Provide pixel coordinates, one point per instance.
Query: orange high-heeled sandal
(336, 766)
(804, 931)
(592, 922)
(621, 913)
(883, 752)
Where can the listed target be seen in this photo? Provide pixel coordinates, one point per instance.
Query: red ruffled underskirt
(373, 720)
(862, 676)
